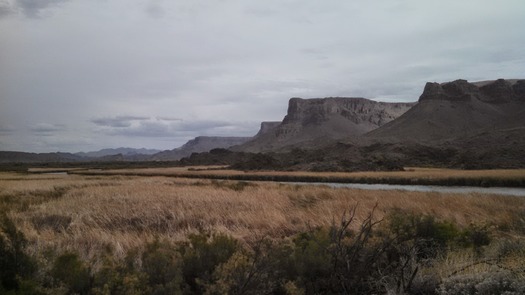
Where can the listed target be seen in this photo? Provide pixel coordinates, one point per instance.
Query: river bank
(411, 176)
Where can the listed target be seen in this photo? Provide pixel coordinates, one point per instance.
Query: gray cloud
(172, 127)
(118, 121)
(168, 119)
(202, 125)
(6, 8)
(28, 8)
(7, 129)
(47, 129)
(145, 129)
(154, 9)
(33, 8)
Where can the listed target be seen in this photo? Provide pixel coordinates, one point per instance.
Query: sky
(82, 75)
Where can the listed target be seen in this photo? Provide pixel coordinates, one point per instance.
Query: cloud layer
(157, 73)
(130, 126)
(29, 8)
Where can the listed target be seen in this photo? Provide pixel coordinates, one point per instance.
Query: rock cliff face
(198, 145)
(267, 127)
(459, 90)
(498, 91)
(459, 109)
(313, 122)
(356, 110)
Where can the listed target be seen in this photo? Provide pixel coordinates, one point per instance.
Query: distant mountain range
(196, 145)
(123, 151)
(22, 157)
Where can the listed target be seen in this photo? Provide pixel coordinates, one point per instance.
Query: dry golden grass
(51, 170)
(410, 173)
(92, 213)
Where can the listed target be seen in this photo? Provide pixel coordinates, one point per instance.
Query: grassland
(138, 208)
(411, 176)
(118, 212)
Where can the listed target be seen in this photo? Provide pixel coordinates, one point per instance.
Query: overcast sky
(81, 75)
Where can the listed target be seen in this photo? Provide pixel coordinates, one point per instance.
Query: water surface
(428, 188)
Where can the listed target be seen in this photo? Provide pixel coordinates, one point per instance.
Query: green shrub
(258, 269)
(337, 260)
(475, 237)
(162, 264)
(15, 265)
(201, 255)
(430, 237)
(71, 271)
(312, 262)
(120, 278)
(240, 275)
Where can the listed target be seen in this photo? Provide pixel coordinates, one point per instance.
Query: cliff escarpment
(317, 121)
(459, 109)
(498, 91)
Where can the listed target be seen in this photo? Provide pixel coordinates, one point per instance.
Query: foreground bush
(394, 256)
(16, 267)
(201, 256)
(69, 270)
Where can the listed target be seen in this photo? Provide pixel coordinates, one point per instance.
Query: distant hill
(198, 145)
(22, 157)
(105, 155)
(122, 151)
(457, 110)
(311, 123)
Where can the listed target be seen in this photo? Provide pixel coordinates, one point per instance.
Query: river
(510, 191)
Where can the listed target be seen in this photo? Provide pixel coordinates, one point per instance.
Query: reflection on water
(429, 188)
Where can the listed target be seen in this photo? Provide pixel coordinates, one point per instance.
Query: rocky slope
(267, 127)
(457, 110)
(198, 145)
(314, 122)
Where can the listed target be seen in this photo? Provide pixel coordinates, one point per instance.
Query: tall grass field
(133, 234)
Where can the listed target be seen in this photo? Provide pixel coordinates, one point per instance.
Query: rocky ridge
(317, 121)
(267, 127)
(499, 91)
(458, 109)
